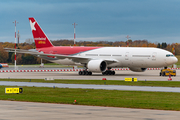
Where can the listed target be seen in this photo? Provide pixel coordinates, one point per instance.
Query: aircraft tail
(40, 38)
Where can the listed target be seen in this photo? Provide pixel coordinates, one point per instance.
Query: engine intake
(97, 66)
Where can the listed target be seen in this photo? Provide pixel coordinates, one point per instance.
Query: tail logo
(33, 25)
(40, 38)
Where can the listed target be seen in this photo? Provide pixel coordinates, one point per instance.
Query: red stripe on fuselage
(65, 50)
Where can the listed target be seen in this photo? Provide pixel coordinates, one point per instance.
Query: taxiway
(150, 75)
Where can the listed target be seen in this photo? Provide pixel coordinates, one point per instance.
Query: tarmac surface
(148, 75)
(12, 110)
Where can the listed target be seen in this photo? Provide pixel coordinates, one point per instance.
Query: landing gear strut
(85, 71)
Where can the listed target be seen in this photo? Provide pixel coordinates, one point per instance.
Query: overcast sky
(98, 20)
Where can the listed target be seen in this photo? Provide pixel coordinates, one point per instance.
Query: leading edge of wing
(80, 59)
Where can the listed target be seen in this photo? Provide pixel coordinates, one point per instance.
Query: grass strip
(103, 82)
(112, 98)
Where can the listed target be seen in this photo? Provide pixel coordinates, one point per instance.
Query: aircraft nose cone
(171, 60)
(175, 60)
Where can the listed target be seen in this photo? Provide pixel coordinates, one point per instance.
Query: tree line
(8, 57)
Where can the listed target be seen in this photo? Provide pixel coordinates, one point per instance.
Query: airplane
(98, 59)
(3, 65)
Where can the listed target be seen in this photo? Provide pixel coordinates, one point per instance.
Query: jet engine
(96, 66)
(137, 69)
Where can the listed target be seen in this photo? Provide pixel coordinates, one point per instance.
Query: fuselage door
(154, 56)
(127, 56)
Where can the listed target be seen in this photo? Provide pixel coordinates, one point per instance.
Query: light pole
(15, 46)
(18, 37)
(127, 40)
(74, 33)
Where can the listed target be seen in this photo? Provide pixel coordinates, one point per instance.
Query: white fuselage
(125, 57)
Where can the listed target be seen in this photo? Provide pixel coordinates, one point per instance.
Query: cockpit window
(169, 55)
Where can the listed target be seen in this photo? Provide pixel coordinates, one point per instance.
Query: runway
(12, 110)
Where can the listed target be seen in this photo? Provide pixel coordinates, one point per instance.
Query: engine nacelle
(97, 66)
(135, 69)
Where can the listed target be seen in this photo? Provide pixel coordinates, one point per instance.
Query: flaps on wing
(41, 54)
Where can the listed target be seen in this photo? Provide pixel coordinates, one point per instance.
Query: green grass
(113, 98)
(102, 82)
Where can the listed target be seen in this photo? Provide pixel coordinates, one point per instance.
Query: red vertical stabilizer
(40, 38)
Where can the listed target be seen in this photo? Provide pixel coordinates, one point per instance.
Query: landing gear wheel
(108, 72)
(80, 72)
(163, 74)
(85, 72)
(89, 73)
(113, 72)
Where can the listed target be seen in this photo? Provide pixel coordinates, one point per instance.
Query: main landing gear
(85, 72)
(108, 72)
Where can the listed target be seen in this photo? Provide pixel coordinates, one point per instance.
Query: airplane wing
(77, 59)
